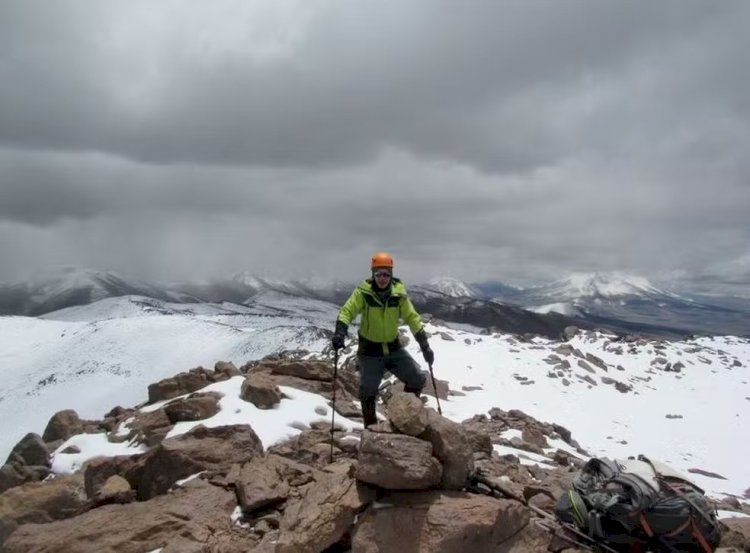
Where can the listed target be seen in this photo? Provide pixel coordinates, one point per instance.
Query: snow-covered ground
(95, 357)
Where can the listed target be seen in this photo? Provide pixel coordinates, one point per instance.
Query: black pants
(399, 362)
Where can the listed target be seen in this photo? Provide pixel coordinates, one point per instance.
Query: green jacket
(380, 320)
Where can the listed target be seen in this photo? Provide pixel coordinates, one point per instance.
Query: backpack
(640, 502)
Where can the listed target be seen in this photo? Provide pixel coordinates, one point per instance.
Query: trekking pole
(333, 406)
(434, 387)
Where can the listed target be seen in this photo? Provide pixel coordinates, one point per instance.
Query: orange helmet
(381, 259)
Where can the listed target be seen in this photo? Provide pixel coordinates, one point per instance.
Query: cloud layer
(512, 140)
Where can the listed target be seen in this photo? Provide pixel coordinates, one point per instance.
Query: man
(382, 301)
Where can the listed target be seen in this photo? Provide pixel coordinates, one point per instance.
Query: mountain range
(616, 302)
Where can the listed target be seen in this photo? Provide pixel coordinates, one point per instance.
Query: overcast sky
(513, 140)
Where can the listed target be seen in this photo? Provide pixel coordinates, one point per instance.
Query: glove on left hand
(424, 345)
(428, 355)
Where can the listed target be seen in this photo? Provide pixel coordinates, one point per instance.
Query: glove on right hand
(339, 335)
(337, 342)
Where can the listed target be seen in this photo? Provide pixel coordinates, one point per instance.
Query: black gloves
(339, 335)
(424, 345)
(428, 355)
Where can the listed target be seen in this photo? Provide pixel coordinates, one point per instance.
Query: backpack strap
(697, 534)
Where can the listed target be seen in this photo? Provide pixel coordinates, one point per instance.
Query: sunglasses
(382, 274)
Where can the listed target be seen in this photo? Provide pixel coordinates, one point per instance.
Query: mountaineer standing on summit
(382, 301)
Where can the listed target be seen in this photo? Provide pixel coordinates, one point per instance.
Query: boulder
(41, 502)
(325, 513)
(193, 408)
(451, 446)
(180, 384)
(443, 388)
(736, 533)
(62, 426)
(150, 427)
(115, 490)
(449, 522)
(308, 370)
(534, 436)
(191, 519)
(407, 413)
(225, 370)
(30, 450)
(98, 470)
(480, 442)
(200, 449)
(260, 483)
(261, 390)
(29, 461)
(397, 462)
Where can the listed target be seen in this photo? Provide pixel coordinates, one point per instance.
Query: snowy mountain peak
(249, 280)
(452, 287)
(606, 285)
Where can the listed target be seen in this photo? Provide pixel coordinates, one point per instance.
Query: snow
(90, 446)
(560, 307)
(92, 364)
(451, 287)
(608, 285)
(605, 421)
(271, 425)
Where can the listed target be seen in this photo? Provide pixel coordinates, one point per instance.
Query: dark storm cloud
(438, 79)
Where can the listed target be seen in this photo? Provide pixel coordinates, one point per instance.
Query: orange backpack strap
(698, 535)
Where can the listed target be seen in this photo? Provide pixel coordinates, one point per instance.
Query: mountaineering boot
(368, 411)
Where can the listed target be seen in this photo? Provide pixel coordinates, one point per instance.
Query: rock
(622, 387)
(443, 388)
(62, 426)
(569, 332)
(180, 384)
(200, 449)
(564, 433)
(596, 361)
(98, 470)
(12, 475)
(448, 522)
(324, 514)
(29, 461)
(41, 502)
(261, 390)
(192, 408)
(225, 370)
(397, 462)
(451, 446)
(311, 447)
(30, 450)
(736, 533)
(407, 413)
(585, 366)
(308, 370)
(561, 457)
(260, 483)
(115, 490)
(150, 427)
(480, 442)
(532, 435)
(702, 472)
(192, 519)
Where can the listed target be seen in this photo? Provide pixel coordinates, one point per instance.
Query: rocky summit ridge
(397, 486)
